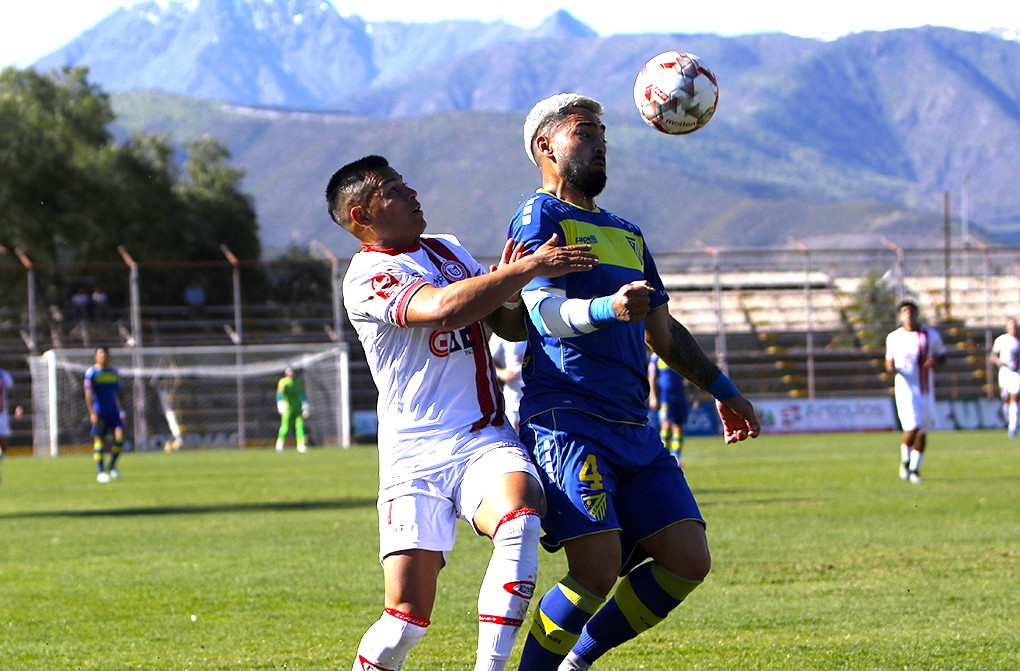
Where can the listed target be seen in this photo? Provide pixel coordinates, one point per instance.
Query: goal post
(193, 397)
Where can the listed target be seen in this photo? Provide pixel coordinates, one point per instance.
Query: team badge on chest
(454, 271)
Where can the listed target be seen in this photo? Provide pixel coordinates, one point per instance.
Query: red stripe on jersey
(487, 389)
(405, 300)
(498, 619)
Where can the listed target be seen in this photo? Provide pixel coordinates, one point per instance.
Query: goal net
(193, 397)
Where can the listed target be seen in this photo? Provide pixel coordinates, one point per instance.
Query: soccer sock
(642, 599)
(115, 451)
(1012, 414)
(676, 444)
(915, 460)
(97, 453)
(507, 587)
(561, 616)
(299, 430)
(905, 454)
(386, 643)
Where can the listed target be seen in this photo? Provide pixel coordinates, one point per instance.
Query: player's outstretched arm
(677, 347)
(467, 301)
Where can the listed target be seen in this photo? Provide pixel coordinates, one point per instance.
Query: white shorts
(422, 513)
(5, 424)
(1009, 381)
(915, 410)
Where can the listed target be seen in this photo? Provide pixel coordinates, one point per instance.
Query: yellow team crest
(596, 505)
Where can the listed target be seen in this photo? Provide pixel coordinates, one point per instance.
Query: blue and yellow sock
(643, 598)
(556, 625)
(97, 453)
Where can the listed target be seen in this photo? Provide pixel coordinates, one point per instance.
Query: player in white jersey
(509, 358)
(6, 384)
(1005, 355)
(911, 352)
(445, 448)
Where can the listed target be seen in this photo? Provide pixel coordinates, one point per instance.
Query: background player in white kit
(508, 356)
(445, 449)
(911, 352)
(1006, 355)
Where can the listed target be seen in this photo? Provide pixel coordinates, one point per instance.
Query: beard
(582, 177)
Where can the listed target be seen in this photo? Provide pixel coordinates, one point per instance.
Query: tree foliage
(71, 194)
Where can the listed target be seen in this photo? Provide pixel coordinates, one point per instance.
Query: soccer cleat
(103, 478)
(279, 447)
(915, 477)
(904, 472)
(302, 448)
(114, 474)
(573, 663)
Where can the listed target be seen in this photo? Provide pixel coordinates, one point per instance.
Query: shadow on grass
(200, 509)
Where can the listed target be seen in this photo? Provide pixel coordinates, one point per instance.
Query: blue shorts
(106, 423)
(674, 411)
(605, 476)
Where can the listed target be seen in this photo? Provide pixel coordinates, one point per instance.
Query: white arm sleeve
(557, 316)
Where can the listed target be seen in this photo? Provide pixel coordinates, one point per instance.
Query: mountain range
(834, 143)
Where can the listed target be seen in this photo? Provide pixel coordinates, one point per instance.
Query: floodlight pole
(720, 323)
(898, 251)
(343, 362)
(987, 271)
(33, 339)
(238, 338)
(808, 320)
(141, 428)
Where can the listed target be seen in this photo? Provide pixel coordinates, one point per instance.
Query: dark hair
(350, 185)
(906, 303)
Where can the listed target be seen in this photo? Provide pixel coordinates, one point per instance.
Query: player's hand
(738, 418)
(631, 301)
(281, 407)
(305, 411)
(554, 261)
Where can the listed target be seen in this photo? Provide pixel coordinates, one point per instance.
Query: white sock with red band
(386, 643)
(507, 588)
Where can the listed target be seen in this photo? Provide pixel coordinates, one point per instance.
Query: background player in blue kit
(668, 396)
(102, 387)
(615, 496)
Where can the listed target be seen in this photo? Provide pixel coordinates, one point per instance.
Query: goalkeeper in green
(292, 404)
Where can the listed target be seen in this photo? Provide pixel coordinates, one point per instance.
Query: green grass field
(823, 559)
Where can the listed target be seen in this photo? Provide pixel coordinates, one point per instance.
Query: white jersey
(906, 349)
(510, 355)
(433, 385)
(1007, 348)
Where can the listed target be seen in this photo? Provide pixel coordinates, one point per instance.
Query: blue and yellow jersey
(605, 372)
(104, 383)
(672, 387)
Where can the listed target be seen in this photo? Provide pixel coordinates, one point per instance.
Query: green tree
(71, 194)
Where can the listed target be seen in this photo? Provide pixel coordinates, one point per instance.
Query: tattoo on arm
(687, 356)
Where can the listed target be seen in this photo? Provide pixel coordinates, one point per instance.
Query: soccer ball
(675, 93)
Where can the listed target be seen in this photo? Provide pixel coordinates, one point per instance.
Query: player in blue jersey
(618, 504)
(102, 387)
(668, 396)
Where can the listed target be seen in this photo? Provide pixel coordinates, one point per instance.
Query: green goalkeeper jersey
(292, 392)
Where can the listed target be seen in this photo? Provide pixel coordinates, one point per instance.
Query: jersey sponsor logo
(586, 240)
(596, 505)
(384, 285)
(453, 270)
(522, 588)
(445, 343)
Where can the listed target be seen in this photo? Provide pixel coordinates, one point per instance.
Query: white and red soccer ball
(676, 93)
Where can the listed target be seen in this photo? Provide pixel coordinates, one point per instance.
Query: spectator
(99, 305)
(80, 301)
(194, 297)
(6, 398)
